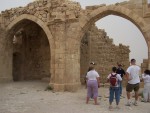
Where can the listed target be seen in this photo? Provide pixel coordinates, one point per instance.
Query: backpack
(113, 80)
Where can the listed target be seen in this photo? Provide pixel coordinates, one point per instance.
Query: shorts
(131, 87)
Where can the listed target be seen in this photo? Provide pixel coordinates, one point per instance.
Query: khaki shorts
(131, 87)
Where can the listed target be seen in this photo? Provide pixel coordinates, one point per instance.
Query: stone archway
(116, 10)
(42, 51)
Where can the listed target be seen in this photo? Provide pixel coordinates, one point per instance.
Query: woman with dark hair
(114, 79)
(146, 91)
(92, 83)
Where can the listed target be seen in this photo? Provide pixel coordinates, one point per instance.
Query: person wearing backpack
(114, 78)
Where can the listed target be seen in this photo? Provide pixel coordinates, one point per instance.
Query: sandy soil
(31, 97)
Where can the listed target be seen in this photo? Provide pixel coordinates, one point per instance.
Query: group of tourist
(115, 78)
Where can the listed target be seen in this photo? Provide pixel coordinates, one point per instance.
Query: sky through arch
(123, 31)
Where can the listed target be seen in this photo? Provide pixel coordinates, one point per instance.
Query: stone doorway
(31, 52)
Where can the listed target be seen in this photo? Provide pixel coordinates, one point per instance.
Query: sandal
(96, 104)
(110, 108)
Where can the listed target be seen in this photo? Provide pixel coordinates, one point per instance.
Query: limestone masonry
(98, 47)
(56, 39)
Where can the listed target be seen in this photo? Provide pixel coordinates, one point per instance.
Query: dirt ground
(31, 97)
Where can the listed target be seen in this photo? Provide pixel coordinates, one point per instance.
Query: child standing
(114, 79)
(146, 91)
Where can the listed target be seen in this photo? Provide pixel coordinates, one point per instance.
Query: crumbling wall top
(46, 10)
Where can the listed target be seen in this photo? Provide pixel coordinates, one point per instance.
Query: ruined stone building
(44, 39)
(98, 47)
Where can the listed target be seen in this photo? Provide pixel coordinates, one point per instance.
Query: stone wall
(54, 30)
(98, 47)
(5, 57)
(144, 65)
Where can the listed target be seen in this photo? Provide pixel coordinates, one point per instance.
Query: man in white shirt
(132, 75)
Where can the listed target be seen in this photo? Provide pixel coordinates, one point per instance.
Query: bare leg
(128, 95)
(136, 95)
(136, 98)
(87, 100)
(110, 106)
(95, 100)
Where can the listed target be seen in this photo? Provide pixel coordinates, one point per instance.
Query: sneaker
(135, 103)
(96, 104)
(122, 96)
(91, 99)
(143, 101)
(128, 104)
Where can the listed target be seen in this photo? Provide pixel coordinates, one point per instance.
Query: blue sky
(118, 28)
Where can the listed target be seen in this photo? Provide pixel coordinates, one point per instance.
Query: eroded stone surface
(51, 37)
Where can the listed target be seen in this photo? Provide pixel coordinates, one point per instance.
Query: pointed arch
(45, 29)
